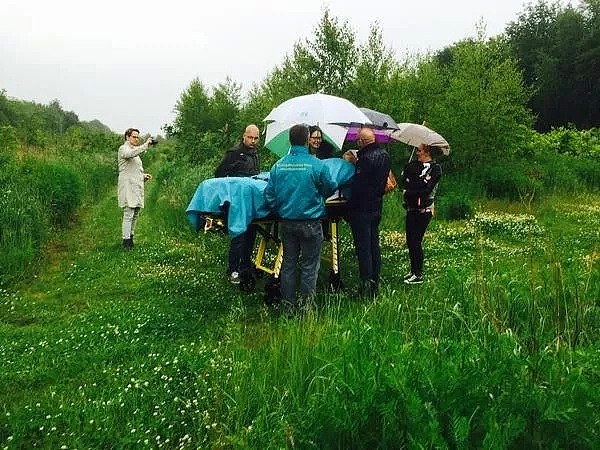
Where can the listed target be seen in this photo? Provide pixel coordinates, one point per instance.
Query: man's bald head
(251, 136)
(366, 136)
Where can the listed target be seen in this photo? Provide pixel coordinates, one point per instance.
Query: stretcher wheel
(335, 281)
(273, 291)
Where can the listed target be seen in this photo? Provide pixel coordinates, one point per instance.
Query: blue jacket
(298, 185)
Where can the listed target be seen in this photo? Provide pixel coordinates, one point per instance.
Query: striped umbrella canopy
(332, 114)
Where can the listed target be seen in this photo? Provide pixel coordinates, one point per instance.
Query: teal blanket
(244, 197)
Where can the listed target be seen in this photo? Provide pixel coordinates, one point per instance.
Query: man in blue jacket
(298, 185)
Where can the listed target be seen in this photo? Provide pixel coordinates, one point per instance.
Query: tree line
(558, 51)
(489, 97)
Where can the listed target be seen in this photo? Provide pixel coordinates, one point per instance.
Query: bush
(454, 199)
(59, 186)
(8, 145)
(455, 206)
(512, 180)
(169, 193)
(588, 171)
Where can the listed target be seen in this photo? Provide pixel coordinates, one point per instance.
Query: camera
(153, 141)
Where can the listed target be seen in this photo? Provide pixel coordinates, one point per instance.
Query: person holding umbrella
(420, 180)
(365, 206)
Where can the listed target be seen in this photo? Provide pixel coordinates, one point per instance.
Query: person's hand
(149, 141)
(147, 177)
(350, 156)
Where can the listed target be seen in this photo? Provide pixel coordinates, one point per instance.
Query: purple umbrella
(382, 136)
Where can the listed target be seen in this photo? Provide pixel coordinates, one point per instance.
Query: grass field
(154, 349)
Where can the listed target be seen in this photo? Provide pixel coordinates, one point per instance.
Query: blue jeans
(302, 241)
(365, 232)
(240, 252)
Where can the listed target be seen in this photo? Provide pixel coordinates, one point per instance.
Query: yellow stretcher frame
(331, 237)
(268, 230)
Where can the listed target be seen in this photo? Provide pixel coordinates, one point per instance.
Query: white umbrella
(326, 111)
(415, 134)
(317, 109)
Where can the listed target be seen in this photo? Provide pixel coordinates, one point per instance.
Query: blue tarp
(245, 196)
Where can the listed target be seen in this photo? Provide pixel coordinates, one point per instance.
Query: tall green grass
(42, 190)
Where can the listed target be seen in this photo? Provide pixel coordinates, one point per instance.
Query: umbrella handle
(412, 154)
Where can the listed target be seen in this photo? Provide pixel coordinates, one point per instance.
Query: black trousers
(240, 252)
(416, 225)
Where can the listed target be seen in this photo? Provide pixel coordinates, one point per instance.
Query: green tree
(204, 121)
(7, 115)
(376, 69)
(192, 111)
(483, 111)
(224, 106)
(326, 63)
(589, 63)
(558, 48)
(330, 59)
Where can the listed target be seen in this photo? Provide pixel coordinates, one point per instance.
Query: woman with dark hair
(316, 145)
(420, 180)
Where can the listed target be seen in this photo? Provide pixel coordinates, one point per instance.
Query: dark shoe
(273, 292)
(247, 280)
(414, 279)
(127, 244)
(368, 289)
(290, 310)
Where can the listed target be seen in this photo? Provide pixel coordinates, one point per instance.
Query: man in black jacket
(241, 161)
(365, 206)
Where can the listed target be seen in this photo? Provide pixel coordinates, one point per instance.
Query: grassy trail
(87, 266)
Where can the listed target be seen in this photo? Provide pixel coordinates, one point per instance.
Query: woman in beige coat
(131, 182)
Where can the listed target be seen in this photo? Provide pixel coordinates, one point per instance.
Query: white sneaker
(414, 279)
(407, 275)
(234, 278)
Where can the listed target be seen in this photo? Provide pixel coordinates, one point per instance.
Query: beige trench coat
(131, 176)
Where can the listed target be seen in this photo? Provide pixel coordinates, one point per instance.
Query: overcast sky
(127, 62)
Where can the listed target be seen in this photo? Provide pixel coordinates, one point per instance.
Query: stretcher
(232, 204)
(268, 254)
